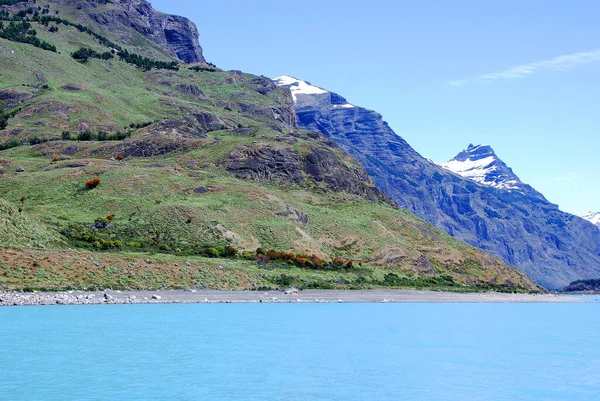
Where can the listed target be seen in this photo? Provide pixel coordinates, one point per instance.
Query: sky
(521, 76)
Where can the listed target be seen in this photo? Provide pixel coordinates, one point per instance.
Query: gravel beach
(288, 296)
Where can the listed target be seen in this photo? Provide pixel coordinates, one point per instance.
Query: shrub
(56, 159)
(120, 157)
(110, 217)
(230, 252)
(93, 183)
(211, 253)
(85, 136)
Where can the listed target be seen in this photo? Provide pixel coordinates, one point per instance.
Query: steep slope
(498, 214)
(129, 156)
(593, 218)
(17, 228)
(135, 24)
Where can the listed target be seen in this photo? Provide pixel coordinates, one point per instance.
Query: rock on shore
(287, 296)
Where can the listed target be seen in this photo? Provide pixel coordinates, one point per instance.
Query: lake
(301, 352)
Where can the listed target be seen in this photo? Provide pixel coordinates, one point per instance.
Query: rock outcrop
(266, 162)
(520, 226)
(177, 36)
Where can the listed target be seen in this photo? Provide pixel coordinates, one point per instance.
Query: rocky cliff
(518, 225)
(130, 21)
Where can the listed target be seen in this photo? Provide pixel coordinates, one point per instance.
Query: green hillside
(194, 167)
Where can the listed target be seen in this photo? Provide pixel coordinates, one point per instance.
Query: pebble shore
(287, 296)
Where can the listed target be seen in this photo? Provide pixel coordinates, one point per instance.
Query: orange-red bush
(110, 217)
(93, 183)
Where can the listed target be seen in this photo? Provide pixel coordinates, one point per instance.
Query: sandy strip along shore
(314, 296)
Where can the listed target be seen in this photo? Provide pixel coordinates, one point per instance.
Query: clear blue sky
(522, 76)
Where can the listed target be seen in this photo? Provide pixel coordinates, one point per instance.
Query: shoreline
(109, 297)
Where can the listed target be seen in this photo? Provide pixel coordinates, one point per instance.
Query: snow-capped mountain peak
(304, 93)
(592, 217)
(480, 164)
(298, 87)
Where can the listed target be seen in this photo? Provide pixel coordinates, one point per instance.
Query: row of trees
(95, 136)
(11, 2)
(84, 54)
(23, 33)
(19, 30)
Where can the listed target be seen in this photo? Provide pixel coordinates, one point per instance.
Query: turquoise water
(301, 352)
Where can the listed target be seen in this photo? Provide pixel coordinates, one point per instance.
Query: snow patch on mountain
(298, 87)
(593, 218)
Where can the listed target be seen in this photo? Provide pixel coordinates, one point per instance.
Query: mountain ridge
(521, 227)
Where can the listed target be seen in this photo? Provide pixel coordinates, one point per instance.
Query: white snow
(478, 170)
(343, 106)
(593, 218)
(298, 87)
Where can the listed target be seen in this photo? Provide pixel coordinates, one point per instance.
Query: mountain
(480, 164)
(128, 162)
(490, 209)
(592, 217)
(137, 25)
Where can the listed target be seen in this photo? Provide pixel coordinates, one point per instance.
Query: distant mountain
(593, 218)
(481, 201)
(480, 164)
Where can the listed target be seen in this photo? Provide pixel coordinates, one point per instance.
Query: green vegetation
(150, 210)
(12, 2)
(590, 286)
(145, 63)
(23, 33)
(149, 146)
(211, 68)
(17, 228)
(84, 55)
(4, 116)
(19, 30)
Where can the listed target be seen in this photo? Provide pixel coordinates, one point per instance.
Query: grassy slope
(156, 195)
(340, 225)
(17, 228)
(112, 94)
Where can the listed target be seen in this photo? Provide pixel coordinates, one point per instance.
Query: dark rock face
(11, 97)
(266, 162)
(146, 147)
(321, 165)
(294, 215)
(178, 36)
(522, 227)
